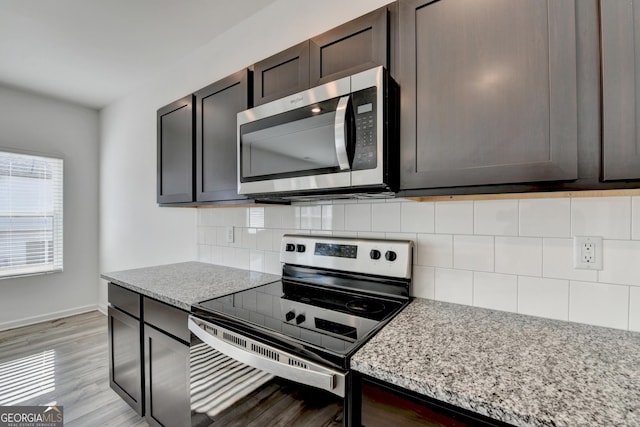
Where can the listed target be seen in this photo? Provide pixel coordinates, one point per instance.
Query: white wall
(134, 231)
(510, 255)
(47, 126)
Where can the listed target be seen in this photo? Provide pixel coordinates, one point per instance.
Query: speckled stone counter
(186, 283)
(522, 370)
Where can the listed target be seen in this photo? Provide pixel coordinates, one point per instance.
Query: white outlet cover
(229, 234)
(595, 244)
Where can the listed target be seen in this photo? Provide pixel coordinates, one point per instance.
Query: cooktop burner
(365, 306)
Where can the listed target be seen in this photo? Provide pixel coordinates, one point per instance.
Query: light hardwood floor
(63, 362)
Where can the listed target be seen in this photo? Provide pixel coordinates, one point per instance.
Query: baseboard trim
(49, 316)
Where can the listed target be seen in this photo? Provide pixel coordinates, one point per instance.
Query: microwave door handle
(340, 133)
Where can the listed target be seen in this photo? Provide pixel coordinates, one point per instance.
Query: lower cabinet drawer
(167, 318)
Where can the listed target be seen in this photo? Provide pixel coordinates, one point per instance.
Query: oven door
(233, 376)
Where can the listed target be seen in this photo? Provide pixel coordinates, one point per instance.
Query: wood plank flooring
(63, 361)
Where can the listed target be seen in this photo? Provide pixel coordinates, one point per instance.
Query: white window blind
(30, 214)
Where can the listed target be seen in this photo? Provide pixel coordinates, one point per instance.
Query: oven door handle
(340, 133)
(267, 358)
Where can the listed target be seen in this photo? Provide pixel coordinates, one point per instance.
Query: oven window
(296, 143)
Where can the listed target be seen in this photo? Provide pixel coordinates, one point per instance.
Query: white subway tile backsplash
(543, 297)
(454, 217)
(621, 260)
(545, 217)
(204, 253)
(634, 308)
(358, 217)
(256, 217)
(311, 217)
(423, 282)
(370, 235)
(512, 255)
(609, 217)
(635, 218)
(287, 217)
(496, 217)
(435, 250)
(599, 304)
(272, 263)
(557, 261)
(495, 291)
(248, 237)
(518, 255)
(385, 217)
(217, 256)
(264, 240)
(211, 235)
(473, 253)
(454, 286)
(333, 217)
(256, 261)
(417, 217)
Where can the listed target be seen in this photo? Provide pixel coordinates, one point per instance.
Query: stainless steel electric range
(300, 331)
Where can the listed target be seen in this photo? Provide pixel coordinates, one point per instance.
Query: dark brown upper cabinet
(352, 47)
(488, 92)
(356, 46)
(175, 178)
(217, 106)
(620, 22)
(282, 74)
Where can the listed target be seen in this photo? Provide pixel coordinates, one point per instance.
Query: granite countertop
(187, 283)
(518, 369)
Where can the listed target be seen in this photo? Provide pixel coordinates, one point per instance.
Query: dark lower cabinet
(125, 358)
(149, 357)
(488, 92)
(167, 379)
(620, 29)
(385, 405)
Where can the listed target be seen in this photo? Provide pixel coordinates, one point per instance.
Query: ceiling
(93, 52)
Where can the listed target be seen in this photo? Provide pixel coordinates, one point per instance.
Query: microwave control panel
(366, 146)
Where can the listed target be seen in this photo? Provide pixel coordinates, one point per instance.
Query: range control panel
(391, 258)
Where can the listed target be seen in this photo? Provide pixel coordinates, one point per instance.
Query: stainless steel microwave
(337, 138)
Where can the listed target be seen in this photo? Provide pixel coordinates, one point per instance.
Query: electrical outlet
(587, 252)
(229, 234)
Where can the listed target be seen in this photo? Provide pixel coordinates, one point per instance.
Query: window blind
(31, 208)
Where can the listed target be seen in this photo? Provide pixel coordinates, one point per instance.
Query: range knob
(301, 248)
(290, 247)
(290, 315)
(301, 318)
(390, 256)
(374, 254)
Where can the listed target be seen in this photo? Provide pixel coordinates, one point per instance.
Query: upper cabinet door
(620, 22)
(488, 92)
(282, 74)
(217, 106)
(350, 48)
(175, 151)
